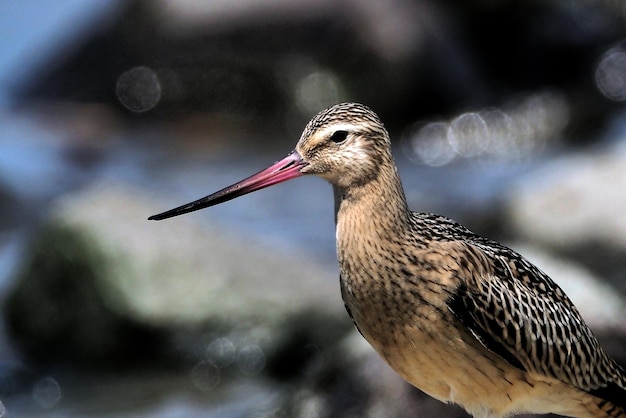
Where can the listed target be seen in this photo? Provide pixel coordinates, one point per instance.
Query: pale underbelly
(454, 367)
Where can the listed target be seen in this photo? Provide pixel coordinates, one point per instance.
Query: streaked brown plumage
(461, 317)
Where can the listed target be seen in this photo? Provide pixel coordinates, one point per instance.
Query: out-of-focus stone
(99, 273)
(576, 200)
(576, 206)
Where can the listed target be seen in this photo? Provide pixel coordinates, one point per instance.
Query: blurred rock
(576, 207)
(254, 59)
(356, 383)
(101, 282)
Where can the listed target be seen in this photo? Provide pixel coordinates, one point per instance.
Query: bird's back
(519, 313)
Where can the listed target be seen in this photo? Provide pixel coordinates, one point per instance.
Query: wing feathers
(517, 312)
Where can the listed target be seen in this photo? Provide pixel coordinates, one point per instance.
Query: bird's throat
(376, 209)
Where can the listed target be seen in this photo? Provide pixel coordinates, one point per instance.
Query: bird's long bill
(282, 170)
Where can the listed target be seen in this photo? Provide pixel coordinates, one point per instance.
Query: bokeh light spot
(511, 133)
(467, 134)
(138, 89)
(222, 352)
(47, 392)
(205, 376)
(501, 139)
(429, 144)
(611, 75)
(251, 359)
(318, 90)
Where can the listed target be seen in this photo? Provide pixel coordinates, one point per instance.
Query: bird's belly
(441, 363)
(450, 365)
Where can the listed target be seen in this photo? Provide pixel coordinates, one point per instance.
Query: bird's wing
(516, 311)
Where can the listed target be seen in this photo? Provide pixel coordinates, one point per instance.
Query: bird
(459, 316)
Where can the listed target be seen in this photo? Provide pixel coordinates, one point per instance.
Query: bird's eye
(339, 136)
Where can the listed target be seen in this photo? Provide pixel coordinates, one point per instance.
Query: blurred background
(509, 117)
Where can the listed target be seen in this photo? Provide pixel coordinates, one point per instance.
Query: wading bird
(461, 317)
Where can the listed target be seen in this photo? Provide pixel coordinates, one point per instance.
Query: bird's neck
(375, 210)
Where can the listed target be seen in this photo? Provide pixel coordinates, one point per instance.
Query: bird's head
(345, 144)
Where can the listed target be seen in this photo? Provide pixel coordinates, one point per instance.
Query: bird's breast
(392, 304)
